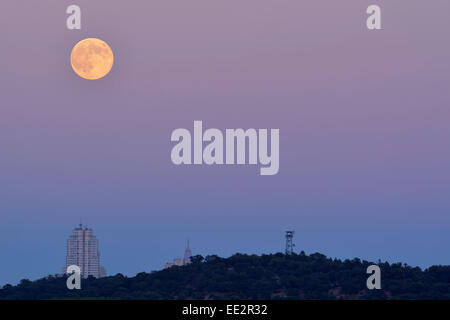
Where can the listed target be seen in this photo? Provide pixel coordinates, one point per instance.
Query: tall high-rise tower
(82, 251)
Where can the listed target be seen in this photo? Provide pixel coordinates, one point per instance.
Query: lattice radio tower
(289, 243)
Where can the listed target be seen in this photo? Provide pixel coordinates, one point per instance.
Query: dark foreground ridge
(274, 276)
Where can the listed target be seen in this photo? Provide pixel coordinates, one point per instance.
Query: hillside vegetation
(274, 276)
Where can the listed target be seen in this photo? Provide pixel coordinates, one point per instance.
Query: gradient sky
(364, 125)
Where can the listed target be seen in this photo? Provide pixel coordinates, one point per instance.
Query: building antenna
(289, 243)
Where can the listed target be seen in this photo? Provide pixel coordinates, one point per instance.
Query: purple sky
(364, 125)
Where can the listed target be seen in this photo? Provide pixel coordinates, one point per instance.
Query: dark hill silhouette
(274, 276)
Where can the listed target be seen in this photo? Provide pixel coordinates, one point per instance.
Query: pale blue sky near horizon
(363, 116)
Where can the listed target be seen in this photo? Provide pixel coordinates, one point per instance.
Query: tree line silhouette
(273, 276)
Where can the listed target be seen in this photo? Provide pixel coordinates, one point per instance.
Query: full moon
(91, 59)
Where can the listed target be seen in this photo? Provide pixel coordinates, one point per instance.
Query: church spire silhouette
(187, 254)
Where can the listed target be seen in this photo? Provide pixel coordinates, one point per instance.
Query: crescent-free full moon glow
(92, 59)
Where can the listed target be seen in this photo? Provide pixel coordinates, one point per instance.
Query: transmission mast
(289, 243)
